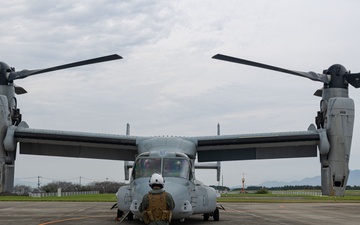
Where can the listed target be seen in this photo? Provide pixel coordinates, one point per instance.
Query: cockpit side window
(145, 167)
(175, 167)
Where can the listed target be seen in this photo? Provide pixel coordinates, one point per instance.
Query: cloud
(167, 83)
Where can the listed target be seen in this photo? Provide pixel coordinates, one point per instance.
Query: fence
(59, 194)
(311, 193)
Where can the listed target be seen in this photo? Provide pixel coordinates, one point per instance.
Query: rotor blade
(311, 75)
(353, 79)
(25, 73)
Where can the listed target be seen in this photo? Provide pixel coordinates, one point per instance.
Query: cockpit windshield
(145, 167)
(168, 167)
(175, 167)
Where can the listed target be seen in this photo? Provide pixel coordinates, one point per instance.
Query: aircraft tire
(130, 216)
(216, 215)
(119, 213)
(206, 216)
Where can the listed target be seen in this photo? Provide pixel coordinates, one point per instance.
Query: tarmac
(66, 213)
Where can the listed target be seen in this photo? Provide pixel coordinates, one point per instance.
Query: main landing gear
(215, 215)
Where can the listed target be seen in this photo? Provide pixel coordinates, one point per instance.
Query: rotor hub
(337, 73)
(4, 73)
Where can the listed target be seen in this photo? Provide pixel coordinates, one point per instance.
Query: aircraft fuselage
(190, 196)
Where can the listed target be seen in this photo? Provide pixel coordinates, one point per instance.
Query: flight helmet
(156, 180)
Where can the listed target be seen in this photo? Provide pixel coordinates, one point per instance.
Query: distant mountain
(354, 179)
(313, 181)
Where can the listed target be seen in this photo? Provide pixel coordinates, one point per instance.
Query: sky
(167, 83)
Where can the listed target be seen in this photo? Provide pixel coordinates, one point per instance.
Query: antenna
(218, 162)
(127, 129)
(126, 163)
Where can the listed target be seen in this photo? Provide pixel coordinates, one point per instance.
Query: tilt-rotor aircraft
(174, 157)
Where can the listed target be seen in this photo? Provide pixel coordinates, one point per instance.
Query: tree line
(282, 188)
(296, 187)
(101, 187)
(112, 187)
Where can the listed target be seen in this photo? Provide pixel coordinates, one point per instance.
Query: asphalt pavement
(66, 213)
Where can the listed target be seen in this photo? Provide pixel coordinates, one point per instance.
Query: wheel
(130, 216)
(206, 216)
(216, 215)
(119, 213)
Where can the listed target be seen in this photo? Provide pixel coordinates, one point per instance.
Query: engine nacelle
(339, 123)
(7, 158)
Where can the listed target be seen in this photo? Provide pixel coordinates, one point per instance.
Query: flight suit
(156, 207)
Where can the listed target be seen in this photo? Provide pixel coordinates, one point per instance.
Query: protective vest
(157, 209)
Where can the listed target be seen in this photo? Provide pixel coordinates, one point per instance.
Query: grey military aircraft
(174, 157)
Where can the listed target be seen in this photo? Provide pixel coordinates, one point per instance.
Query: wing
(258, 146)
(76, 144)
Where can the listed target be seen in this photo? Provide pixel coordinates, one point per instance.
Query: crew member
(157, 205)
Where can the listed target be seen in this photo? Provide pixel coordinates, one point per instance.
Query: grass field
(352, 196)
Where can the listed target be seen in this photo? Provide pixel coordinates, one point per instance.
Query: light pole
(39, 182)
(243, 183)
